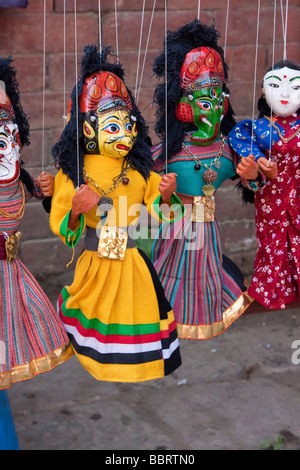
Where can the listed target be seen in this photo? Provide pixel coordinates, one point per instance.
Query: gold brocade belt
(199, 208)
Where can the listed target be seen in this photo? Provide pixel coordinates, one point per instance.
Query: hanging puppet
(273, 140)
(32, 337)
(205, 288)
(120, 324)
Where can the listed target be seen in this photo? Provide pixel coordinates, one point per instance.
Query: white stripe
(167, 353)
(112, 348)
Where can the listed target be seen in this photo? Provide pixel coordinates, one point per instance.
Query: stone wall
(21, 35)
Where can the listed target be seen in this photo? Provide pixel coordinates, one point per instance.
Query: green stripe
(104, 329)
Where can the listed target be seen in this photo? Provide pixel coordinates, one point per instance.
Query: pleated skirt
(119, 322)
(32, 337)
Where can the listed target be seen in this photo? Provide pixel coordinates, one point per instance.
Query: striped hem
(119, 344)
(199, 332)
(36, 366)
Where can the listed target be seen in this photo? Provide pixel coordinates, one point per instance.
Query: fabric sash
(91, 240)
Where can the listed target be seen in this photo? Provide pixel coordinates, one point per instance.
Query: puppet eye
(205, 105)
(274, 85)
(112, 128)
(3, 145)
(221, 102)
(213, 94)
(129, 127)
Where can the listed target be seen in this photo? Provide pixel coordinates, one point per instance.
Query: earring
(263, 92)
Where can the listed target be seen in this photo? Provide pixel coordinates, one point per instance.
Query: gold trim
(198, 332)
(37, 366)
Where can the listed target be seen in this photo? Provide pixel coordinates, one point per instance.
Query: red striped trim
(125, 339)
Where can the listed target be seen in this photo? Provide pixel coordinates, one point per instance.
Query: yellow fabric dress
(119, 322)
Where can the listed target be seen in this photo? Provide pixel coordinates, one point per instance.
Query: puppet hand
(83, 201)
(46, 183)
(248, 168)
(167, 187)
(268, 168)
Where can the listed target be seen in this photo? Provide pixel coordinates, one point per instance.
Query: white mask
(9, 153)
(282, 91)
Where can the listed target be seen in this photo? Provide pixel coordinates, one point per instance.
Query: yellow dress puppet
(115, 313)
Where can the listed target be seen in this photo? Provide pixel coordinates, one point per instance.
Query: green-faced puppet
(203, 101)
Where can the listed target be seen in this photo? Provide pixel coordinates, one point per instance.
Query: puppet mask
(9, 152)
(109, 128)
(203, 103)
(116, 133)
(282, 91)
(204, 108)
(10, 145)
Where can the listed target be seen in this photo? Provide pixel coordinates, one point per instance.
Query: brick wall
(21, 35)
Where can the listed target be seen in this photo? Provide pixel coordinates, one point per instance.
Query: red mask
(202, 66)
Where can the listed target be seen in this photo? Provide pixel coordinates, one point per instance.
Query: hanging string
(255, 74)
(65, 108)
(226, 28)
(166, 83)
(100, 26)
(198, 9)
(284, 26)
(44, 89)
(285, 30)
(146, 50)
(117, 38)
(140, 47)
(273, 61)
(76, 87)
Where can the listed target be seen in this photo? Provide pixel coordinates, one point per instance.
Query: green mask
(205, 108)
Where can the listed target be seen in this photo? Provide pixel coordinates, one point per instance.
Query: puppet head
(203, 101)
(108, 120)
(109, 127)
(197, 96)
(281, 88)
(14, 129)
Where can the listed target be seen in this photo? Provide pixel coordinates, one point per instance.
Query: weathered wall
(21, 35)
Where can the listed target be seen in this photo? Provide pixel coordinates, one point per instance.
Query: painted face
(282, 91)
(9, 153)
(116, 133)
(205, 108)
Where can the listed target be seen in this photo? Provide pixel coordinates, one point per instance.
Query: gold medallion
(203, 209)
(12, 246)
(112, 243)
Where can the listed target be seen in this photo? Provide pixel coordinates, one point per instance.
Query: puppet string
(255, 74)
(226, 28)
(140, 47)
(199, 2)
(166, 84)
(117, 35)
(100, 26)
(76, 88)
(273, 60)
(44, 89)
(146, 49)
(284, 26)
(65, 109)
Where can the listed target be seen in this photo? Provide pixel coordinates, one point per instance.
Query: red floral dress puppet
(32, 337)
(205, 288)
(120, 324)
(274, 142)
